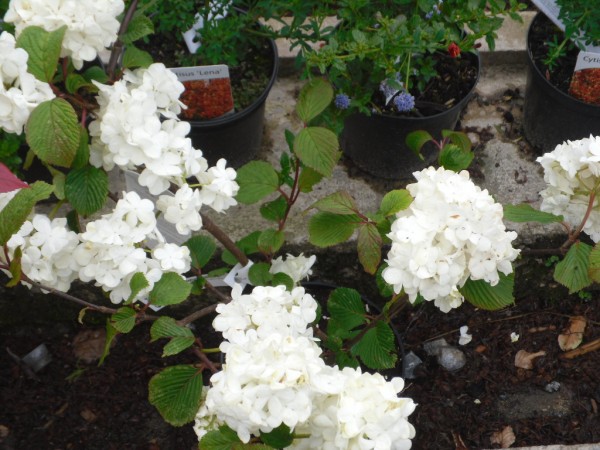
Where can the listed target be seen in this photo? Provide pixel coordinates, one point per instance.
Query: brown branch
(207, 362)
(71, 298)
(224, 239)
(393, 311)
(197, 315)
(586, 348)
(117, 48)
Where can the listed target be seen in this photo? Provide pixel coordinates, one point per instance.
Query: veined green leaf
(177, 393)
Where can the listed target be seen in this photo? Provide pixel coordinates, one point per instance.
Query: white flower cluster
(297, 267)
(136, 126)
(451, 232)
(47, 251)
(274, 374)
(572, 172)
(20, 91)
(108, 252)
(92, 25)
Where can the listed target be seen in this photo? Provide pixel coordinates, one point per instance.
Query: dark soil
(542, 32)
(75, 405)
(456, 78)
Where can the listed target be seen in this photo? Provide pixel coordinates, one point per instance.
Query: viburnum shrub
(292, 377)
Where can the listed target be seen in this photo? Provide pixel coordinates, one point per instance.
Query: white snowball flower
(465, 337)
(47, 247)
(92, 25)
(273, 374)
(297, 267)
(366, 413)
(218, 186)
(572, 172)
(173, 257)
(20, 91)
(452, 231)
(267, 310)
(136, 126)
(182, 209)
(265, 385)
(110, 254)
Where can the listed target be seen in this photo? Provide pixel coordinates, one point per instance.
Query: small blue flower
(342, 101)
(429, 15)
(404, 102)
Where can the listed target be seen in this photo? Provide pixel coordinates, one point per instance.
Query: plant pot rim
(559, 93)
(238, 115)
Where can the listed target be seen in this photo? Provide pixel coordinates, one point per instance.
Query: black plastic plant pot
(236, 137)
(550, 116)
(377, 143)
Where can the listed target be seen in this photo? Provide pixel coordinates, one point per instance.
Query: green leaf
(572, 271)
(58, 182)
(137, 283)
(124, 319)
(395, 201)
(177, 345)
(270, 241)
(377, 347)
(257, 179)
(167, 327)
(346, 307)
(15, 268)
(181, 337)
(416, 140)
(482, 295)
(96, 73)
(177, 393)
(308, 178)
(280, 437)
(87, 189)
(53, 132)
(139, 27)
(202, 249)
(314, 97)
(459, 139)
(76, 81)
(326, 229)
(259, 274)
(43, 48)
(82, 157)
(454, 158)
(369, 247)
(15, 213)
(134, 57)
(336, 203)
(284, 279)
(385, 290)
(526, 213)
(275, 210)
(222, 439)
(317, 148)
(594, 271)
(171, 289)
(111, 333)
(248, 245)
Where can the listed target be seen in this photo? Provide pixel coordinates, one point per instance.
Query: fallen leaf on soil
(524, 359)
(572, 336)
(480, 348)
(88, 345)
(88, 415)
(540, 329)
(458, 442)
(4, 431)
(504, 438)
